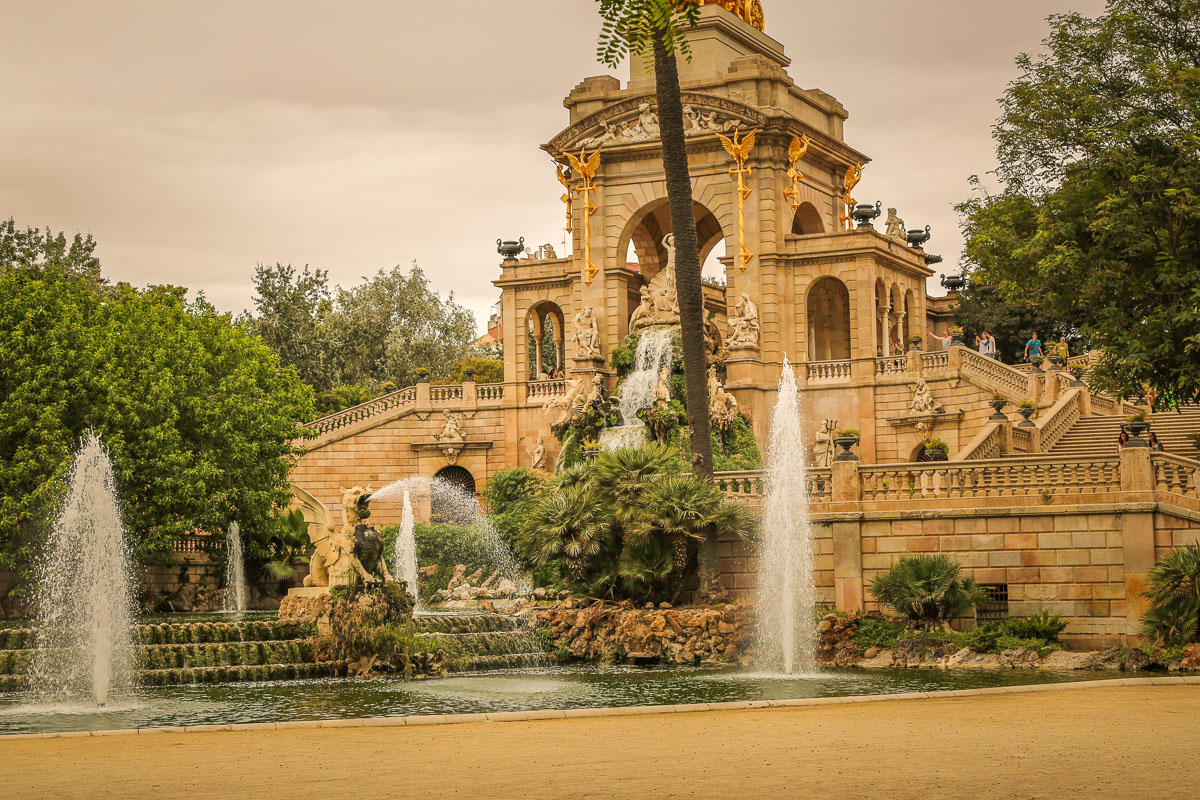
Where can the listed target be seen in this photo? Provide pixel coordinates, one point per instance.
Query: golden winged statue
(853, 176)
(585, 166)
(564, 177)
(797, 151)
(739, 150)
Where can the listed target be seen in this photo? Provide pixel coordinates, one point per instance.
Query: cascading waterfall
(655, 350)
(787, 595)
(85, 592)
(235, 570)
(406, 548)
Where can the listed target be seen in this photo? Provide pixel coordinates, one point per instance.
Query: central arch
(644, 233)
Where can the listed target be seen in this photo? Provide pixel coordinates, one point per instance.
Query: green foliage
(624, 356)
(199, 418)
(736, 448)
(487, 370)
(1099, 222)
(927, 589)
(630, 26)
(292, 310)
(41, 254)
(624, 525)
(937, 444)
(872, 632)
(1173, 588)
(986, 638)
(445, 545)
(981, 307)
(1044, 626)
(339, 398)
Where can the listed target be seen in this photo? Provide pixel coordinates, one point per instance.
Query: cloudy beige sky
(196, 139)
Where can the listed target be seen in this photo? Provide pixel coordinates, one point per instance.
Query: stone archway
(545, 339)
(807, 220)
(644, 234)
(452, 496)
(828, 320)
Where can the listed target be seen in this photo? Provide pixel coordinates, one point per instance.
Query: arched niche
(452, 496)
(828, 320)
(644, 234)
(545, 339)
(807, 220)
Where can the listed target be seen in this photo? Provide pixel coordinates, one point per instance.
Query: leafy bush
(445, 545)
(736, 448)
(1044, 626)
(873, 632)
(625, 525)
(927, 589)
(1173, 587)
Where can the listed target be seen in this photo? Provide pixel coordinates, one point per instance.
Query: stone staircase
(172, 654)
(1096, 436)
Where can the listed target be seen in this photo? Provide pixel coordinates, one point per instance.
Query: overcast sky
(197, 139)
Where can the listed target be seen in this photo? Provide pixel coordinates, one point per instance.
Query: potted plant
(1037, 362)
(1077, 374)
(1056, 361)
(914, 342)
(1026, 410)
(1136, 425)
(845, 439)
(956, 336)
(998, 402)
(936, 450)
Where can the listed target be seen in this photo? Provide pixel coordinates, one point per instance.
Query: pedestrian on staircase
(1033, 348)
(1155, 445)
(1122, 440)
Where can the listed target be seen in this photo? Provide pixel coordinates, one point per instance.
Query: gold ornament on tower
(740, 152)
(797, 151)
(853, 176)
(749, 10)
(564, 177)
(585, 167)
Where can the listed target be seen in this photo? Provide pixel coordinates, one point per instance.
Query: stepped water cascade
(655, 350)
(406, 549)
(235, 570)
(85, 592)
(787, 595)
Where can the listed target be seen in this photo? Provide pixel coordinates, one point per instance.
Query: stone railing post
(847, 487)
(1052, 387)
(424, 402)
(914, 361)
(470, 396)
(1137, 473)
(954, 358)
(1035, 385)
(1085, 402)
(847, 565)
(1006, 431)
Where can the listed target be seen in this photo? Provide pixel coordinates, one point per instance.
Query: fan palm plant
(570, 523)
(1173, 587)
(622, 476)
(928, 590)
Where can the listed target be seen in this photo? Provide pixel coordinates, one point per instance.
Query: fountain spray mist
(235, 570)
(787, 596)
(85, 591)
(406, 549)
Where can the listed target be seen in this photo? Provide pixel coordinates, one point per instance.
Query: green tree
(37, 251)
(487, 370)
(201, 420)
(292, 311)
(393, 324)
(1099, 221)
(658, 27)
(1173, 587)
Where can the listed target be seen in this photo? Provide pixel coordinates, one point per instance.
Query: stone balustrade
(371, 408)
(828, 371)
(935, 362)
(893, 365)
(545, 389)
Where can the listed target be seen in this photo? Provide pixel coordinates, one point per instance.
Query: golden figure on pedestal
(585, 167)
(853, 176)
(564, 177)
(797, 151)
(749, 10)
(740, 150)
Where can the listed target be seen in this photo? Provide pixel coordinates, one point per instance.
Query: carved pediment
(635, 120)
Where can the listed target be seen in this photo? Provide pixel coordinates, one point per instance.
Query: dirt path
(1129, 742)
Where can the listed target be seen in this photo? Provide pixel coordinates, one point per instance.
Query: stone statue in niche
(895, 227)
(537, 456)
(451, 437)
(923, 401)
(744, 330)
(660, 300)
(722, 406)
(823, 444)
(587, 334)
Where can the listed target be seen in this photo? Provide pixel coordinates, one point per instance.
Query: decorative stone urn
(1136, 429)
(917, 237)
(1037, 362)
(865, 213)
(998, 404)
(953, 283)
(510, 249)
(914, 343)
(956, 338)
(846, 442)
(936, 454)
(422, 376)
(1077, 376)
(1056, 363)
(1026, 412)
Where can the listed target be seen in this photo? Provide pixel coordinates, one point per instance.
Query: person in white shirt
(987, 345)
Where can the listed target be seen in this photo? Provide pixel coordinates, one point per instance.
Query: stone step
(184, 633)
(466, 623)
(179, 656)
(490, 643)
(510, 661)
(220, 674)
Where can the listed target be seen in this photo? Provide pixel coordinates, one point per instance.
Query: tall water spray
(235, 570)
(787, 595)
(85, 591)
(406, 548)
(655, 350)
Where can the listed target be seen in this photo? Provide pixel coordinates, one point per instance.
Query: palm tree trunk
(687, 277)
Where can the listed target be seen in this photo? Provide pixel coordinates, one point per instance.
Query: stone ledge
(622, 711)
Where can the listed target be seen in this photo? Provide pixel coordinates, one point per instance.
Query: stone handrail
(820, 485)
(490, 392)
(893, 365)
(1060, 419)
(365, 410)
(994, 375)
(1104, 403)
(819, 371)
(195, 543)
(549, 388)
(752, 484)
(1043, 478)
(985, 445)
(1022, 440)
(935, 362)
(1176, 475)
(440, 394)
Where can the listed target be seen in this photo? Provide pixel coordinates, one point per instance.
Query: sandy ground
(1126, 742)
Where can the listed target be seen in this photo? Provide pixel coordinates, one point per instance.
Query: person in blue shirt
(1033, 348)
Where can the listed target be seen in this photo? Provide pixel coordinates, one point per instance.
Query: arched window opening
(828, 320)
(807, 220)
(452, 496)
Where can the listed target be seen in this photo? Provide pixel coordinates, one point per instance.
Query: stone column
(887, 340)
(847, 565)
(846, 485)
